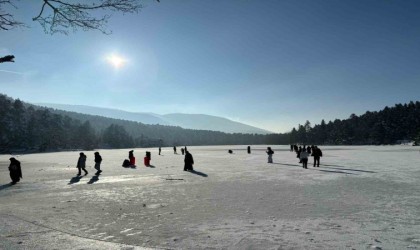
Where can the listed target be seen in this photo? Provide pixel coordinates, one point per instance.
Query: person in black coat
(81, 164)
(298, 153)
(188, 162)
(98, 160)
(309, 149)
(15, 170)
(317, 154)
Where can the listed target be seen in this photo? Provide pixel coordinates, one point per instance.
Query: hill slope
(189, 121)
(209, 122)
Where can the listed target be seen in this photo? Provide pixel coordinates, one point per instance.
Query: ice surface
(362, 197)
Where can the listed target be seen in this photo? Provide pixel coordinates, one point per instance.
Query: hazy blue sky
(272, 64)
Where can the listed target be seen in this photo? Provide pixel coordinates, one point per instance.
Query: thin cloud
(12, 72)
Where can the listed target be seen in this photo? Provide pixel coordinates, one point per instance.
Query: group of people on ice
(188, 160)
(81, 163)
(131, 161)
(304, 152)
(183, 150)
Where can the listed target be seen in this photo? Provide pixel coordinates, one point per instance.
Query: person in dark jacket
(298, 153)
(182, 151)
(15, 170)
(317, 154)
(309, 149)
(270, 153)
(160, 150)
(98, 160)
(174, 149)
(304, 158)
(189, 162)
(81, 164)
(249, 149)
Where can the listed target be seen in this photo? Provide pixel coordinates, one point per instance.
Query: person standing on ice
(317, 154)
(309, 149)
(160, 149)
(81, 164)
(131, 158)
(188, 162)
(174, 149)
(298, 153)
(15, 170)
(249, 149)
(304, 158)
(98, 160)
(270, 154)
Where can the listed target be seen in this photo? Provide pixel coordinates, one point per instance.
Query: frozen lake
(362, 197)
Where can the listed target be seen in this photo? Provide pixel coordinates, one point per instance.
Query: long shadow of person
(5, 186)
(334, 171)
(94, 179)
(198, 173)
(349, 169)
(151, 166)
(75, 179)
(285, 164)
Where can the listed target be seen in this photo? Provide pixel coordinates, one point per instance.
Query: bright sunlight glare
(116, 61)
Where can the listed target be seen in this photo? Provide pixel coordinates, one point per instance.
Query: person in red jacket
(131, 158)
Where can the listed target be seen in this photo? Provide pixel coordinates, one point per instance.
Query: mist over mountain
(189, 121)
(209, 122)
(146, 118)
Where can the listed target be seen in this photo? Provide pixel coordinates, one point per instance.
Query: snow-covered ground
(362, 197)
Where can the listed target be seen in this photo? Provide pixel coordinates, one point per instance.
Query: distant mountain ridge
(189, 121)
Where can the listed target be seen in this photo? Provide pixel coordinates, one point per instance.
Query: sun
(116, 61)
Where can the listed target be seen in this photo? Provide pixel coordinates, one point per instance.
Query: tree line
(29, 128)
(388, 126)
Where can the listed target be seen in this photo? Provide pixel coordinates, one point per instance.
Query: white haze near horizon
(270, 64)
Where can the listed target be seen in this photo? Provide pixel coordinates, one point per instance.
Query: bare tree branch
(7, 20)
(64, 15)
(68, 14)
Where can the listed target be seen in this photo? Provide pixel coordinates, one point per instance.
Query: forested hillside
(25, 127)
(388, 126)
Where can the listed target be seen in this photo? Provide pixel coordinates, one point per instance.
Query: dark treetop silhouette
(60, 16)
